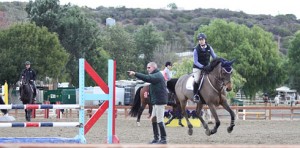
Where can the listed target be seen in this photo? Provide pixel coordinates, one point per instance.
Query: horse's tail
(171, 84)
(136, 103)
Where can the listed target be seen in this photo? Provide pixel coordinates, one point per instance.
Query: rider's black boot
(195, 90)
(155, 133)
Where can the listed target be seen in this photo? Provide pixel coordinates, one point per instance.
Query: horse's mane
(214, 63)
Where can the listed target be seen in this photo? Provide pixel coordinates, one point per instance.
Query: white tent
(285, 89)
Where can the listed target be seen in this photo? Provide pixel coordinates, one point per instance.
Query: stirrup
(196, 98)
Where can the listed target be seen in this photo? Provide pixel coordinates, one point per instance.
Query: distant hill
(180, 22)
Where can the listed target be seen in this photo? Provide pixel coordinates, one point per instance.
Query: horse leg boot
(163, 134)
(155, 133)
(195, 90)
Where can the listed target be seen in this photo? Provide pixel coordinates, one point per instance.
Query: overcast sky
(248, 6)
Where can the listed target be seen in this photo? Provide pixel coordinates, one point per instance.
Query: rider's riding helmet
(201, 36)
(27, 63)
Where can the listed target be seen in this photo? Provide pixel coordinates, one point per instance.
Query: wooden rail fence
(266, 112)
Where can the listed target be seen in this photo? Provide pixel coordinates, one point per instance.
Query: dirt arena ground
(245, 132)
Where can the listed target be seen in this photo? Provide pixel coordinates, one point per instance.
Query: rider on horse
(29, 75)
(202, 53)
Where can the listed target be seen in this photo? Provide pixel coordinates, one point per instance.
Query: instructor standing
(159, 99)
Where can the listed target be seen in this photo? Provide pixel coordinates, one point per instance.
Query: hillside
(180, 23)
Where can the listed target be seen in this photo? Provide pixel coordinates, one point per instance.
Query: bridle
(221, 83)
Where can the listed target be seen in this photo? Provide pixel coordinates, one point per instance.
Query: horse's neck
(214, 77)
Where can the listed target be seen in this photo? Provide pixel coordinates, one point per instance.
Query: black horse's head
(26, 92)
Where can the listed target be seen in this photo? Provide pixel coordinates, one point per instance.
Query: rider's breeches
(158, 111)
(196, 73)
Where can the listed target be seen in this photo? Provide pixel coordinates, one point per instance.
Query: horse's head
(24, 82)
(222, 70)
(225, 74)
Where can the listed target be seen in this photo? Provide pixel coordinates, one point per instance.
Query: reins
(222, 84)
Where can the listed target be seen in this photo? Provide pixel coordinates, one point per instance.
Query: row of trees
(74, 36)
(57, 36)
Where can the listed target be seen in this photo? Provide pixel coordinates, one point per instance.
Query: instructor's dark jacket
(158, 89)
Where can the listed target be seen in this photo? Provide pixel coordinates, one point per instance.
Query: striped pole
(40, 106)
(41, 124)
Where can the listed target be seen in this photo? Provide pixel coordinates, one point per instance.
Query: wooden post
(58, 111)
(270, 112)
(46, 111)
(292, 113)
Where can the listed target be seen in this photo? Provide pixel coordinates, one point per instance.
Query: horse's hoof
(207, 132)
(138, 124)
(167, 123)
(230, 129)
(181, 125)
(190, 131)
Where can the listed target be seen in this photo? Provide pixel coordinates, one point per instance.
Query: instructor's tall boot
(155, 133)
(163, 134)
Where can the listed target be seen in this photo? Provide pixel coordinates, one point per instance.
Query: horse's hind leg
(139, 115)
(232, 115)
(150, 109)
(190, 126)
(170, 120)
(198, 113)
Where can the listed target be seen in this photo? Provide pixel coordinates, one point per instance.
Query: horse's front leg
(214, 113)
(27, 114)
(232, 115)
(198, 113)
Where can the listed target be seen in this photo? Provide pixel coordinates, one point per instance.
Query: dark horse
(212, 92)
(26, 96)
(174, 102)
(4, 111)
(142, 99)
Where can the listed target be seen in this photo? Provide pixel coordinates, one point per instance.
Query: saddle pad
(190, 83)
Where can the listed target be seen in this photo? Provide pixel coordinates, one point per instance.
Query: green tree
(180, 68)
(121, 46)
(147, 40)
(172, 6)
(294, 56)
(77, 33)
(24, 42)
(98, 59)
(44, 13)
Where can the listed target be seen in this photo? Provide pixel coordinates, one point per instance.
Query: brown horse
(141, 100)
(212, 93)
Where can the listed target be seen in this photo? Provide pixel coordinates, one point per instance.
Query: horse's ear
(231, 62)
